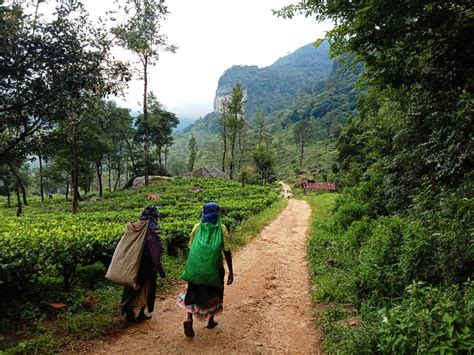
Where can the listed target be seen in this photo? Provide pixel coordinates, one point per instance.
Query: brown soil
(267, 309)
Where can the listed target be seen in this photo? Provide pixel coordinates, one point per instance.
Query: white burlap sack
(123, 269)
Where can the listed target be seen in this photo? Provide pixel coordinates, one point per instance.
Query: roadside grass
(333, 290)
(93, 314)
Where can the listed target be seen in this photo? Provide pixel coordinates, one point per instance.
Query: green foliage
(264, 161)
(45, 343)
(381, 266)
(100, 318)
(429, 320)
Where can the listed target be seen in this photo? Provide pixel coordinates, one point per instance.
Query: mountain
(183, 123)
(305, 84)
(272, 88)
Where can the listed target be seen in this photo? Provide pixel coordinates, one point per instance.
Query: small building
(318, 186)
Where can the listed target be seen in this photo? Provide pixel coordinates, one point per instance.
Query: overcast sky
(213, 35)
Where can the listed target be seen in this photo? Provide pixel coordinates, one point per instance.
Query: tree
(245, 175)
(53, 71)
(235, 121)
(302, 132)
(193, 149)
(264, 162)
(160, 127)
(142, 35)
(116, 125)
(415, 54)
(223, 119)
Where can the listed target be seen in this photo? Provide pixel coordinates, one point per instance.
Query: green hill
(305, 84)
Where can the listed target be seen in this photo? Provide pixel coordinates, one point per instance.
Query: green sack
(205, 256)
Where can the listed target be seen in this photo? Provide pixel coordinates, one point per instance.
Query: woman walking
(150, 265)
(204, 270)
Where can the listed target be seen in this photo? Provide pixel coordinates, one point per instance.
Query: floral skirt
(203, 301)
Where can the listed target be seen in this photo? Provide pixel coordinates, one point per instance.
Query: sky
(212, 36)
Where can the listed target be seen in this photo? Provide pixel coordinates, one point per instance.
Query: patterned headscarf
(210, 213)
(150, 214)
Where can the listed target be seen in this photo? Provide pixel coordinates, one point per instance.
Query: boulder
(207, 172)
(140, 180)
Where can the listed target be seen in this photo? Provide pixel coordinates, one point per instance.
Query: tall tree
(142, 35)
(193, 150)
(235, 121)
(223, 123)
(302, 132)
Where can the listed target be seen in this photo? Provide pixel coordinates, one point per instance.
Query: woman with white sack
(143, 294)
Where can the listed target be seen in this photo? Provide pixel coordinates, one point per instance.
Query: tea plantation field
(48, 239)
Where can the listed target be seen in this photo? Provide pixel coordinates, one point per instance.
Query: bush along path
(268, 308)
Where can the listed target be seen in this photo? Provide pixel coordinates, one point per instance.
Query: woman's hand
(230, 278)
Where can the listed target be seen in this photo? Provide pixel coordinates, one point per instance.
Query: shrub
(429, 320)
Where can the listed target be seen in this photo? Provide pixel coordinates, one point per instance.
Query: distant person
(204, 270)
(150, 265)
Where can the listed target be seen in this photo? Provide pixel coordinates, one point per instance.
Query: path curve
(268, 308)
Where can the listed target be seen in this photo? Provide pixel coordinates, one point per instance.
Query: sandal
(212, 324)
(188, 328)
(130, 317)
(142, 317)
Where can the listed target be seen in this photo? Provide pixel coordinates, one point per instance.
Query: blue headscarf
(151, 215)
(210, 213)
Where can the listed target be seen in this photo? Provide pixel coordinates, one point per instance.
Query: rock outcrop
(140, 180)
(207, 172)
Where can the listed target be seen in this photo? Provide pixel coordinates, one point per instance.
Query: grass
(333, 288)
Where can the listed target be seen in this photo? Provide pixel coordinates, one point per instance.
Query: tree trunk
(8, 194)
(134, 166)
(224, 136)
(232, 148)
(75, 170)
(41, 177)
(145, 118)
(241, 148)
(19, 209)
(166, 157)
(302, 153)
(19, 183)
(117, 181)
(98, 167)
(126, 168)
(160, 161)
(67, 190)
(109, 166)
(23, 193)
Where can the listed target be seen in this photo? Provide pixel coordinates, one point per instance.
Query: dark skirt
(147, 279)
(201, 295)
(203, 301)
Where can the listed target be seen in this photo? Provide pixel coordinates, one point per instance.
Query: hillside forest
(382, 106)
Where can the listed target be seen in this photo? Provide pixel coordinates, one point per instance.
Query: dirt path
(268, 308)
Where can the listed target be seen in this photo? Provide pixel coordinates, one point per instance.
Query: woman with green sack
(204, 269)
